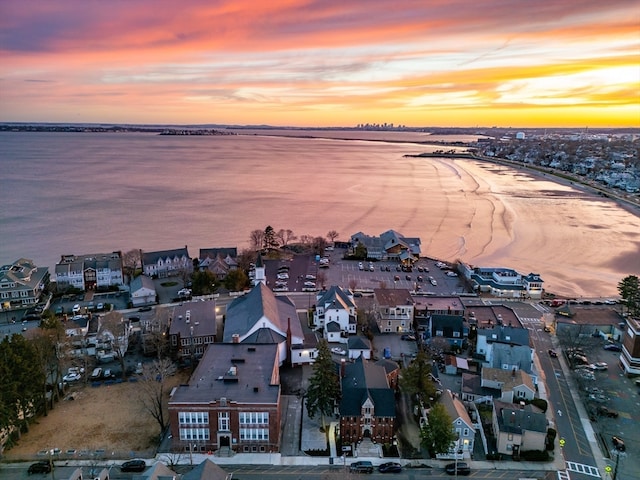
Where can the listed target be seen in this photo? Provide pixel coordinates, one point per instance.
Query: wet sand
(533, 224)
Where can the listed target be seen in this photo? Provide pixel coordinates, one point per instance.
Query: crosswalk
(584, 469)
(563, 475)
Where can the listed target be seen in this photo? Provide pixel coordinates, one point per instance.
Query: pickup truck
(361, 467)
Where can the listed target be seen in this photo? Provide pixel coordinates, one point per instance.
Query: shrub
(541, 403)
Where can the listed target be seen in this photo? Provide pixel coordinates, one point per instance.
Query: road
(260, 472)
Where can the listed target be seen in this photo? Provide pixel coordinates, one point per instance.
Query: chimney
(235, 338)
(289, 339)
(343, 366)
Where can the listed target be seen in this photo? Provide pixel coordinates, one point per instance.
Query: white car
(283, 276)
(452, 274)
(309, 284)
(338, 351)
(600, 366)
(360, 266)
(76, 308)
(100, 306)
(71, 377)
(310, 277)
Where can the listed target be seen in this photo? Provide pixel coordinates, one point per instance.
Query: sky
(322, 63)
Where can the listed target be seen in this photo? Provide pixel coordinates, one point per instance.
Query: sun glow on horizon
(322, 64)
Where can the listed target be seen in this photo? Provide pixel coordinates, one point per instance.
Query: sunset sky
(312, 63)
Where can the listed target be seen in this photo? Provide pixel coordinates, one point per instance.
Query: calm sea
(81, 193)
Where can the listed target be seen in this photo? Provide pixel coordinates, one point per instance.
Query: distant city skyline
(322, 64)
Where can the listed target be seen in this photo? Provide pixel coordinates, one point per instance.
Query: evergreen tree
(629, 288)
(270, 240)
(438, 435)
(324, 385)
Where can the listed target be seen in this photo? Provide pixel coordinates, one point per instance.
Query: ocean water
(75, 193)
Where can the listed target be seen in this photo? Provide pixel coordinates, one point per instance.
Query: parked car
(390, 467)
(553, 354)
(145, 309)
(408, 337)
(606, 412)
(71, 377)
(39, 467)
(76, 308)
(96, 374)
(338, 351)
(360, 266)
(613, 347)
(600, 366)
(362, 466)
(462, 468)
(100, 307)
(452, 274)
(618, 443)
(133, 466)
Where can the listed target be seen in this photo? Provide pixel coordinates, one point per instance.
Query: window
(201, 434)
(223, 421)
(439, 333)
(254, 418)
(187, 418)
(510, 437)
(465, 432)
(254, 434)
(456, 334)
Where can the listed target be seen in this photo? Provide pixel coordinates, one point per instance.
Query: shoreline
(559, 177)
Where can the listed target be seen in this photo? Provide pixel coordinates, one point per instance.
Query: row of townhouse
(90, 271)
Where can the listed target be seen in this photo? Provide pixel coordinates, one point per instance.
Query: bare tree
(332, 235)
(353, 284)
(256, 240)
(131, 261)
(285, 236)
(154, 389)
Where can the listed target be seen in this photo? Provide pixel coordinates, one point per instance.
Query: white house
(143, 291)
(461, 423)
(89, 271)
(164, 263)
(336, 305)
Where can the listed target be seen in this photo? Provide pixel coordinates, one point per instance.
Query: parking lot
(358, 275)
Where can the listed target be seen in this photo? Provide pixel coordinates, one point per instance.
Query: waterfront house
(231, 402)
(503, 282)
(22, 284)
(219, 261)
(90, 271)
(390, 245)
(165, 263)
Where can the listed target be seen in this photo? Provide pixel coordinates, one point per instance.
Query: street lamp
(617, 454)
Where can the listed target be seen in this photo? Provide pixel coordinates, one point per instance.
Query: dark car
(553, 354)
(612, 347)
(390, 467)
(463, 468)
(145, 309)
(605, 412)
(133, 466)
(408, 277)
(39, 467)
(618, 443)
(361, 467)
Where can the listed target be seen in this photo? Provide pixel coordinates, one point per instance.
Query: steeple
(260, 276)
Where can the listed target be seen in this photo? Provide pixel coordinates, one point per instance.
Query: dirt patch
(109, 417)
